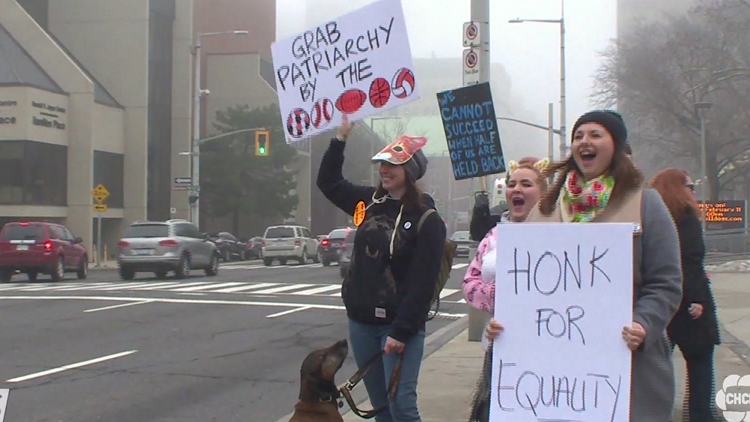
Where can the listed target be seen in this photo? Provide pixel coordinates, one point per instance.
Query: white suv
(288, 242)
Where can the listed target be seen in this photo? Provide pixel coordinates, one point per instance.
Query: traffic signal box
(262, 142)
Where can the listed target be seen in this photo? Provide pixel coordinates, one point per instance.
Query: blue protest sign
(471, 131)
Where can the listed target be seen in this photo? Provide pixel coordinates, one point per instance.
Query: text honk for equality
(563, 293)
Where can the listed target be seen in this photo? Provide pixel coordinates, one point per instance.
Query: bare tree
(656, 74)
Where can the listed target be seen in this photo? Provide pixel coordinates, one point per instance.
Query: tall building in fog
(319, 11)
(631, 12)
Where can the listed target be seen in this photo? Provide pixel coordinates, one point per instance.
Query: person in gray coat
(598, 183)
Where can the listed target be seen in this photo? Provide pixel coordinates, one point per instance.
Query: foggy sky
(530, 52)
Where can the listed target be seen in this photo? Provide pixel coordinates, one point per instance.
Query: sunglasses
(691, 186)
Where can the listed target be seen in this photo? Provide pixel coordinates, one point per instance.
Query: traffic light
(262, 141)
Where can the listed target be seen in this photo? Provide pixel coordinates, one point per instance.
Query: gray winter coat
(657, 293)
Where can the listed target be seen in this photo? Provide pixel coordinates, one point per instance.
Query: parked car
(333, 245)
(346, 254)
(254, 247)
(161, 247)
(463, 243)
(37, 247)
(288, 242)
(229, 246)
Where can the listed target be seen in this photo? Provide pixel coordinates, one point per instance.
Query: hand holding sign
(634, 335)
(344, 128)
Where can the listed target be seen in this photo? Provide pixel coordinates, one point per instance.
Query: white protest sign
(359, 64)
(564, 292)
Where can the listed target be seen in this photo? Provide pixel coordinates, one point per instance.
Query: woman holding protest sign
(525, 183)
(598, 183)
(394, 269)
(694, 328)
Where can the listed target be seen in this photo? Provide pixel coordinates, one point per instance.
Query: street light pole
(700, 109)
(195, 149)
(563, 100)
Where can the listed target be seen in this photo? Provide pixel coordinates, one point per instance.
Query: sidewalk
(448, 376)
(106, 265)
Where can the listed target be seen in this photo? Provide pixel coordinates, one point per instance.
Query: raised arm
(660, 293)
(342, 193)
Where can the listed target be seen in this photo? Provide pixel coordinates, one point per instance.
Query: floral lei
(587, 199)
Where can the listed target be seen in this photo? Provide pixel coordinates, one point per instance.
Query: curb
(432, 343)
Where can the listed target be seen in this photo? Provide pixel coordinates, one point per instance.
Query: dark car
(463, 243)
(346, 255)
(332, 246)
(228, 245)
(253, 247)
(36, 247)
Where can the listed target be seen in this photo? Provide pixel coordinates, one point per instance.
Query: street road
(224, 348)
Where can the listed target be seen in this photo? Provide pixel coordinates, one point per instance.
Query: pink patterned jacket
(479, 291)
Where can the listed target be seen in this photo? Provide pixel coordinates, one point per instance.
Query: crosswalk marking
(318, 290)
(295, 266)
(205, 287)
(281, 289)
(244, 288)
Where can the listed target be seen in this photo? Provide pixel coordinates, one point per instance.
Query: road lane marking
(459, 266)
(71, 366)
(287, 312)
(197, 302)
(122, 305)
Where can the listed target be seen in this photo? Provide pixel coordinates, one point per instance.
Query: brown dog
(318, 394)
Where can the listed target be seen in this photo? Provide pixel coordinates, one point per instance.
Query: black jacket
(482, 218)
(381, 288)
(683, 330)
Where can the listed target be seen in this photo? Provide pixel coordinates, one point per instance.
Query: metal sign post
(100, 194)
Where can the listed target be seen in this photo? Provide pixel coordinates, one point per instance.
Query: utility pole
(480, 14)
(700, 110)
(196, 148)
(563, 130)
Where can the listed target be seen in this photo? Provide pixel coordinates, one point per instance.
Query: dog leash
(357, 377)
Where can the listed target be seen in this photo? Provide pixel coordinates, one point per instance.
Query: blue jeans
(367, 340)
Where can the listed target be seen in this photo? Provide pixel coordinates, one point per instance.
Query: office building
(94, 93)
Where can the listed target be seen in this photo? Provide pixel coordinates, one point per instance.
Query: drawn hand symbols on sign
(471, 59)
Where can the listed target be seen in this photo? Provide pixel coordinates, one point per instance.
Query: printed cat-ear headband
(540, 165)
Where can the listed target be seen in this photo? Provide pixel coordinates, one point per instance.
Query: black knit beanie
(611, 120)
(416, 167)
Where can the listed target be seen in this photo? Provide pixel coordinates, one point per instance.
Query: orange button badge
(359, 213)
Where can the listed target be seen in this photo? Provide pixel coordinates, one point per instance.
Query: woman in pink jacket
(525, 185)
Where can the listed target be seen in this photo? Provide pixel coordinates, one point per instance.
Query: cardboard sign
(471, 130)
(359, 64)
(563, 293)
